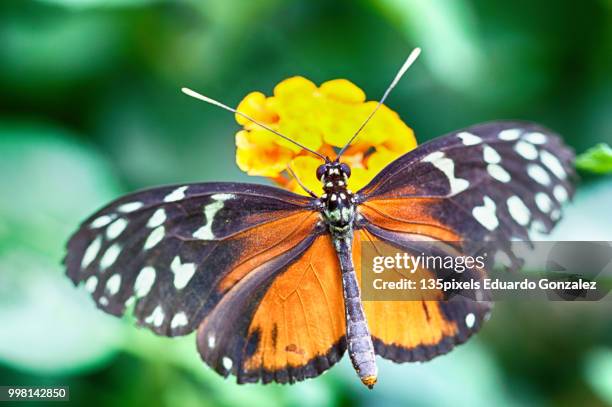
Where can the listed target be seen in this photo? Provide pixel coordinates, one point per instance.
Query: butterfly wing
(488, 183)
(205, 254)
(430, 323)
(283, 330)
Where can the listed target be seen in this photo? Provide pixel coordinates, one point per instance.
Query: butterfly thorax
(337, 203)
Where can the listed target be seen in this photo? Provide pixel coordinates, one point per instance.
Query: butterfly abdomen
(358, 338)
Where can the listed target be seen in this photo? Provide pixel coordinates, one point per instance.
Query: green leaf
(597, 159)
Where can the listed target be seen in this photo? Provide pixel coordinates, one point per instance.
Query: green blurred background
(91, 109)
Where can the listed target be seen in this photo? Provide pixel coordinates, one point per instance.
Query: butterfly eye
(345, 169)
(321, 171)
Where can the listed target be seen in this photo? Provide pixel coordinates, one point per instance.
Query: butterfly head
(333, 175)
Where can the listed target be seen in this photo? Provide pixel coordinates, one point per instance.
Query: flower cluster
(323, 119)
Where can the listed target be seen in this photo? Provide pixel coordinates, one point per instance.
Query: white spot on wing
(102, 221)
(469, 139)
(227, 363)
(535, 138)
(154, 237)
(543, 202)
(182, 272)
(210, 210)
(157, 219)
(470, 320)
(91, 284)
(180, 319)
(223, 197)
(553, 164)
(110, 255)
(176, 195)
(555, 214)
(113, 284)
(498, 173)
(485, 214)
(157, 317)
(490, 155)
(538, 174)
(537, 227)
(518, 210)
(509, 134)
(130, 207)
(144, 281)
(211, 341)
(560, 193)
(103, 301)
(116, 228)
(526, 150)
(447, 166)
(91, 252)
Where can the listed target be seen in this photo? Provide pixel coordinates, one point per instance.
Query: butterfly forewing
(490, 182)
(178, 250)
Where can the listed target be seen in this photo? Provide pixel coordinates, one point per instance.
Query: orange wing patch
(408, 216)
(267, 241)
(300, 320)
(417, 330)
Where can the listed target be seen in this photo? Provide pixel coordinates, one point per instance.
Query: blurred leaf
(578, 222)
(442, 381)
(451, 49)
(53, 183)
(597, 159)
(82, 4)
(47, 324)
(43, 50)
(598, 372)
(181, 353)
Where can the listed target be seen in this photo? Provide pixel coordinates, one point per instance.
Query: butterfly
(270, 280)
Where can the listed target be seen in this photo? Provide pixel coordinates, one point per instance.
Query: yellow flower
(258, 154)
(323, 119)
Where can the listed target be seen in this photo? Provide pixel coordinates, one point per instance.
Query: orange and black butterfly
(270, 279)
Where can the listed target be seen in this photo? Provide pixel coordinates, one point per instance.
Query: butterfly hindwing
(283, 325)
(178, 250)
(428, 324)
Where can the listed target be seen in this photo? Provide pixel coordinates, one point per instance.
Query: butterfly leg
(359, 340)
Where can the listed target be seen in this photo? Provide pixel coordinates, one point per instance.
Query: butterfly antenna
(411, 58)
(206, 99)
